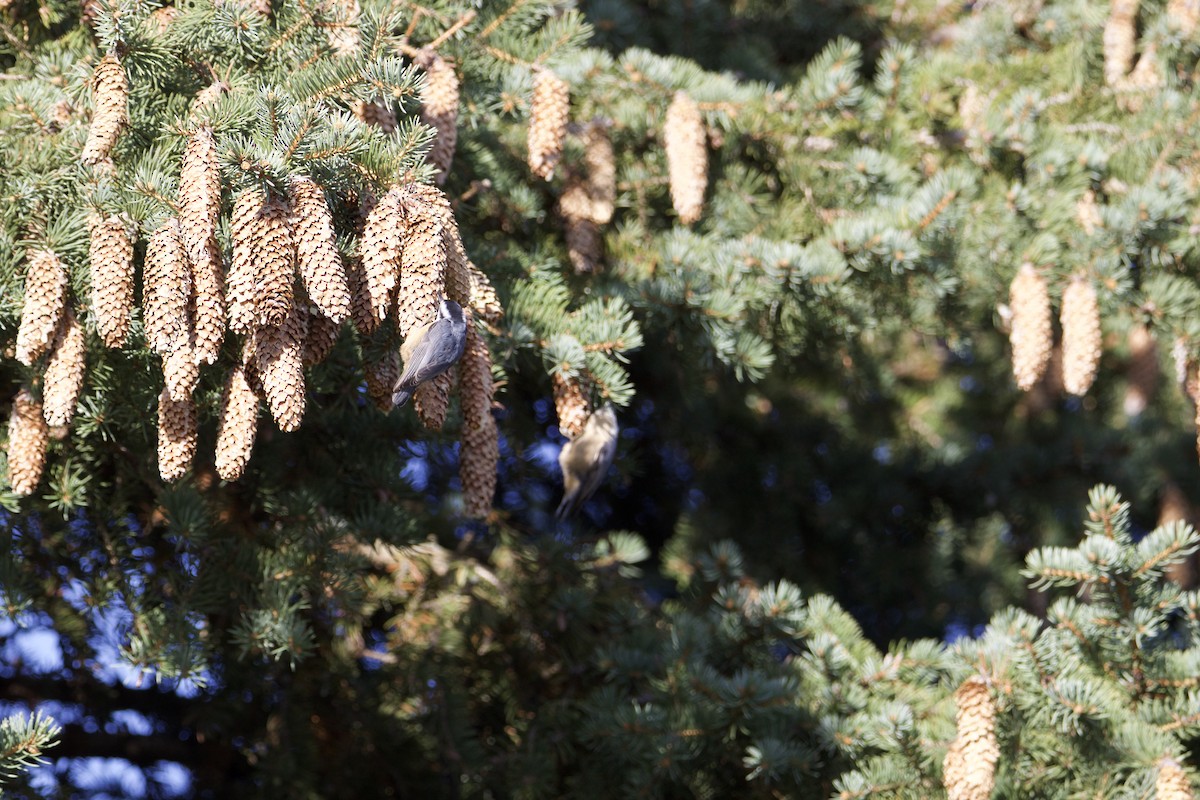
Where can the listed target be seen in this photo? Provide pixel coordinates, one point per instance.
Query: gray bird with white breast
(586, 458)
(431, 350)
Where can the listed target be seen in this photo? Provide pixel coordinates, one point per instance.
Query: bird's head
(450, 310)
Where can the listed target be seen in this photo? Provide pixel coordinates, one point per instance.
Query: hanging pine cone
(571, 404)
(423, 265)
(28, 437)
(432, 400)
(1120, 39)
(1142, 370)
(322, 336)
(279, 362)
(360, 297)
(237, 426)
(601, 173)
(382, 374)
(1032, 336)
(458, 266)
(317, 256)
(110, 93)
(479, 454)
(176, 436)
(209, 95)
(64, 372)
(484, 300)
(1081, 335)
(239, 286)
(1088, 213)
(687, 158)
(439, 109)
(969, 771)
(548, 114)
(375, 113)
(582, 235)
(166, 289)
(276, 263)
(200, 205)
(181, 373)
(111, 256)
(45, 296)
(381, 248)
(1172, 782)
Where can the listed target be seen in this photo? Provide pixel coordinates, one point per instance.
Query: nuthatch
(586, 458)
(431, 350)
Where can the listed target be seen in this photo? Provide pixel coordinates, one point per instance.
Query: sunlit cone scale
(317, 256)
(1081, 335)
(375, 113)
(239, 284)
(166, 289)
(181, 373)
(439, 110)
(200, 205)
(382, 375)
(28, 436)
(360, 297)
(479, 454)
(111, 257)
(176, 436)
(344, 39)
(275, 262)
(548, 115)
(110, 94)
(279, 362)
(1184, 15)
(237, 426)
(969, 770)
(1172, 782)
(322, 336)
(484, 300)
(582, 235)
(64, 372)
(571, 404)
(1032, 335)
(45, 298)
(687, 157)
(458, 265)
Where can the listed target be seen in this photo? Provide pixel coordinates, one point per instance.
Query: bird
(430, 350)
(586, 458)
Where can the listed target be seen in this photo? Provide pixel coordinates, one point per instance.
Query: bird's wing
(576, 490)
(432, 356)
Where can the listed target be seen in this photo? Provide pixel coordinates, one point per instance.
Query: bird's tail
(568, 506)
(401, 396)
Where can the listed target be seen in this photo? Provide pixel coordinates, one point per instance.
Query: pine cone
(239, 287)
(571, 403)
(317, 255)
(176, 436)
(322, 336)
(458, 265)
(279, 362)
(582, 235)
(479, 454)
(1172, 782)
(200, 205)
(601, 173)
(28, 437)
(111, 256)
(166, 290)
(160, 18)
(181, 373)
(237, 426)
(45, 297)
(344, 39)
(381, 248)
(382, 375)
(1184, 15)
(276, 263)
(687, 158)
(1081, 335)
(1120, 39)
(432, 400)
(484, 300)
(209, 95)
(110, 93)
(376, 113)
(64, 372)
(1088, 213)
(969, 771)
(548, 114)
(1142, 370)
(1032, 336)
(423, 264)
(439, 110)
(360, 297)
